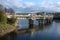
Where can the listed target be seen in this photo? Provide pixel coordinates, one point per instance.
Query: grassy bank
(5, 27)
(6, 24)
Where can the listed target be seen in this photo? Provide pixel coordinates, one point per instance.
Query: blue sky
(32, 5)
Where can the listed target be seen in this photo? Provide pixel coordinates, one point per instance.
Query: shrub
(11, 20)
(3, 18)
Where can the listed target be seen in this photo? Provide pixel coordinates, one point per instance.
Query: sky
(32, 5)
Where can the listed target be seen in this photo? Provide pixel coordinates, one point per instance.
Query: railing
(34, 17)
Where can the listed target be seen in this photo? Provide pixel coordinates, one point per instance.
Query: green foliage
(11, 20)
(3, 18)
(5, 27)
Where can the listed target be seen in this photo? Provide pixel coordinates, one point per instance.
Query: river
(48, 32)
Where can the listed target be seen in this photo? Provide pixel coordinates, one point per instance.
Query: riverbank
(5, 29)
(44, 32)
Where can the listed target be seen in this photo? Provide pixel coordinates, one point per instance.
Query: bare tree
(2, 8)
(11, 11)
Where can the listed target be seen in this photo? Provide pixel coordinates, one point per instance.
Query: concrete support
(42, 21)
(49, 21)
(39, 22)
(31, 23)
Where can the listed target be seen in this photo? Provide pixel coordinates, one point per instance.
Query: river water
(48, 32)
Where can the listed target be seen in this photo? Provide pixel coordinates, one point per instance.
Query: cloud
(21, 4)
(47, 4)
(58, 3)
(51, 5)
(17, 3)
(28, 4)
(11, 3)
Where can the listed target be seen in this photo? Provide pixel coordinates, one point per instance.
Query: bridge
(31, 17)
(45, 19)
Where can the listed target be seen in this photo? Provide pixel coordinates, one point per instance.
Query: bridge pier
(39, 22)
(44, 21)
(31, 23)
(50, 20)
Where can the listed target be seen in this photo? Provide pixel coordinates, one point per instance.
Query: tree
(11, 11)
(11, 20)
(2, 8)
(3, 18)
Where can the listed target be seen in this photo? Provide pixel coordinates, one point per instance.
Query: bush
(3, 18)
(5, 27)
(11, 20)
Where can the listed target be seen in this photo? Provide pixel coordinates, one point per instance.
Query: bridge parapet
(33, 17)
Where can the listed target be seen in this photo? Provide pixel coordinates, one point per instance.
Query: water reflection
(57, 21)
(43, 32)
(28, 32)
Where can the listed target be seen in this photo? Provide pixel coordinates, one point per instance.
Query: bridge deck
(34, 17)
